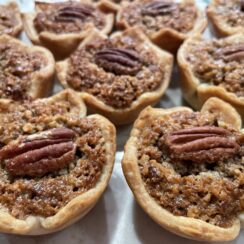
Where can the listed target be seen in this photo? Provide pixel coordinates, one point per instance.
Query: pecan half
(120, 61)
(71, 13)
(242, 5)
(39, 154)
(159, 8)
(207, 144)
(231, 53)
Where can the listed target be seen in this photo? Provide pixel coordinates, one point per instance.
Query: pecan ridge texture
(159, 8)
(39, 154)
(231, 53)
(71, 13)
(207, 144)
(120, 61)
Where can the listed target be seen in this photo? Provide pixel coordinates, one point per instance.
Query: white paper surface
(117, 218)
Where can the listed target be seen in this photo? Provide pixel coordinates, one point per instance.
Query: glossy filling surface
(218, 62)
(39, 189)
(205, 184)
(71, 17)
(152, 16)
(116, 70)
(17, 67)
(7, 19)
(230, 11)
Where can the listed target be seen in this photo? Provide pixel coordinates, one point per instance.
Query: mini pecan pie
(227, 16)
(117, 75)
(60, 26)
(167, 23)
(26, 72)
(213, 68)
(186, 169)
(55, 163)
(10, 19)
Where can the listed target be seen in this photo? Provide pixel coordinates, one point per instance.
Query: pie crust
(195, 92)
(166, 38)
(220, 26)
(128, 114)
(184, 226)
(41, 80)
(17, 28)
(78, 206)
(110, 5)
(61, 45)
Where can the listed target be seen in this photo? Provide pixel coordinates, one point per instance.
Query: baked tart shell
(61, 45)
(184, 226)
(80, 205)
(196, 93)
(219, 26)
(108, 6)
(126, 115)
(167, 38)
(41, 80)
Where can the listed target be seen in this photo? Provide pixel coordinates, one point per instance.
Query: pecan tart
(186, 169)
(119, 75)
(227, 16)
(55, 163)
(60, 26)
(26, 72)
(10, 19)
(167, 23)
(213, 68)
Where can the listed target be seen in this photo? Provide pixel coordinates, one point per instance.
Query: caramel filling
(219, 63)
(116, 70)
(17, 66)
(155, 15)
(7, 19)
(75, 155)
(71, 17)
(181, 174)
(231, 12)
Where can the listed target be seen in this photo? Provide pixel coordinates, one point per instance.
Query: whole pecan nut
(159, 8)
(71, 13)
(207, 144)
(121, 61)
(231, 53)
(40, 153)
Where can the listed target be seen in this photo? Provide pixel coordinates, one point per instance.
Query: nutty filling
(193, 167)
(116, 70)
(16, 68)
(7, 19)
(219, 63)
(48, 167)
(231, 12)
(152, 16)
(68, 17)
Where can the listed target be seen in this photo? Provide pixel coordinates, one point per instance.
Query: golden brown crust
(127, 115)
(108, 6)
(196, 93)
(16, 30)
(63, 44)
(167, 38)
(220, 27)
(187, 227)
(41, 80)
(79, 206)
